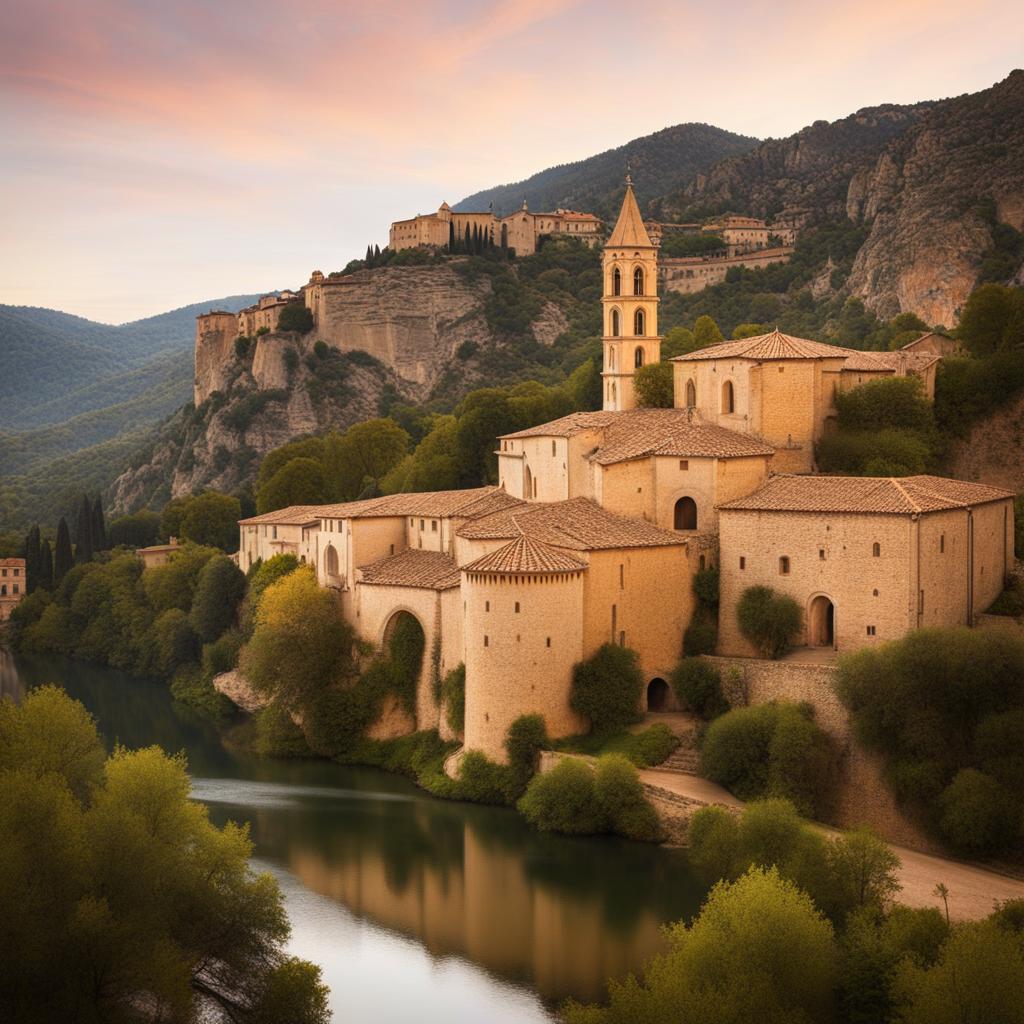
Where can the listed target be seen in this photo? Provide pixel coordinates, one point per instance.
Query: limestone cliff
(931, 198)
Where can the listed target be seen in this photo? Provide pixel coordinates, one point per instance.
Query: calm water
(412, 906)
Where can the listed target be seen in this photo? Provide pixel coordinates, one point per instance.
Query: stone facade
(13, 585)
(688, 274)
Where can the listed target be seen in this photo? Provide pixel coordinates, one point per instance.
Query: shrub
(713, 837)
(453, 695)
(977, 815)
(701, 636)
(698, 685)
(219, 591)
(606, 688)
(222, 654)
(527, 737)
(320, 349)
(768, 620)
(174, 641)
(650, 746)
(653, 384)
(771, 750)
(621, 797)
(194, 687)
(277, 735)
(564, 800)
(706, 586)
(296, 316)
(482, 781)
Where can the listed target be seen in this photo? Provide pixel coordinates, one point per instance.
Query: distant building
(12, 585)
(936, 344)
(157, 554)
(740, 234)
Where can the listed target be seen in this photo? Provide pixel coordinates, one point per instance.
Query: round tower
(629, 305)
(523, 633)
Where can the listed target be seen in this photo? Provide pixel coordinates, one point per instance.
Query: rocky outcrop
(993, 452)
(931, 199)
(239, 691)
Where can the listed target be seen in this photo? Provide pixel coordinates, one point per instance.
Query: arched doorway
(403, 644)
(331, 565)
(821, 622)
(685, 515)
(691, 395)
(657, 695)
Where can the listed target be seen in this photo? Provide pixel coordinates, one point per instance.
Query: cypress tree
(99, 527)
(376, 252)
(369, 255)
(83, 531)
(44, 577)
(62, 556)
(31, 559)
(451, 236)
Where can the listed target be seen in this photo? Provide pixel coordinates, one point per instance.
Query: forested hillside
(659, 163)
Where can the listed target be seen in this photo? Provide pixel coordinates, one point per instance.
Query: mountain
(659, 163)
(54, 366)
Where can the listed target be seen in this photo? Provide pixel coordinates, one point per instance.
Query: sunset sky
(160, 152)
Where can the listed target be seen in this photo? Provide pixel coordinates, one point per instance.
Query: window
(433, 525)
(874, 593)
(876, 549)
(684, 463)
(3, 589)
(871, 630)
(15, 589)
(554, 448)
(392, 550)
(549, 641)
(691, 395)
(622, 638)
(638, 358)
(685, 514)
(821, 554)
(784, 565)
(638, 281)
(616, 282)
(487, 641)
(622, 576)
(423, 524)
(517, 607)
(487, 606)
(615, 323)
(942, 543)
(702, 563)
(728, 397)
(638, 324)
(17, 572)
(743, 562)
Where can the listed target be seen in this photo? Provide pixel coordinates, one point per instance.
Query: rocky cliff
(933, 198)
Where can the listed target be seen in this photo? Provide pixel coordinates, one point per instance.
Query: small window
(684, 464)
(728, 397)
(871, 630)
(743, 562)
(517, 607)
(433, 525)
(622, 576)
(487, 641)
(920, 602)
(784, 565)
(622, 638)
(554, 450)
(942, 543)
(16, 590)
(874, 593)
(549, 641)
(821, 554)
(412, 522)
(876, 549)
(392, 549)
(487, 606)
(423, 524)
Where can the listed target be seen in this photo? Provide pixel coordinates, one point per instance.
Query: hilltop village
(600, 520)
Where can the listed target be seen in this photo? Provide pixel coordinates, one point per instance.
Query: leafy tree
(173, 585)
(296, 316)
(863, 871)
(299, 482)
(977, 813)
(768, 620)
(83, 532)
(759, 950)
(706, 332)
(564, 800)
(174, 642)
(363, 456)
(63, 559)
(211, 519)
(219, 591)
(747, 331)
(98, 526)
(30, 552)
(992, 320)
(121, 898)
(620, 794)
(139, 530)
(606, 688)
(698, 685)
(653, 384)
(677, 342)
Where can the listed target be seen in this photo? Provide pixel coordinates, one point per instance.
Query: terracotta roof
(774, 345)
(629, 230)
(578, 524)
(876, 495)
(528, 557)
(640, 432)
(293, 515)
(430, 570)
(894, 361)
(469, 503)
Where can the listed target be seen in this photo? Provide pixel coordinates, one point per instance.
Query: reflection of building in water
(490, 910)
(10, 682)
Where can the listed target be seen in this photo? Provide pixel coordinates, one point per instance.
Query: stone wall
(864, 798)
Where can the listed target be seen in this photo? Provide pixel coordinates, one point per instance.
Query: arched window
(638, 323)
(638, 358)
(616, 282)
(615, 323)
(728, 401)
(638, 281)
(613, 392)
(331, 561)
(611, 359)
(876, 549)
(685, 517)
(691, 395)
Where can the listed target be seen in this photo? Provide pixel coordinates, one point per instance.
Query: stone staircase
(685, 760)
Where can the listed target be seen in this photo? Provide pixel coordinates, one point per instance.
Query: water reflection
(471, 885)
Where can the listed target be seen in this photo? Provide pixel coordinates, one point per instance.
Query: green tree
(63, 558)
(139, 530)
(299, 482)
(677, 342)
(992, 320)
(211, 519)
(759, 950)
(606, 688)
(706, 332)
(768, 620)
(98, 526)
(363, 456)
(174, 642)
(563, 800)
(173, 585)
(44, 570)
(863, 872)
(83, 531)
(219, 590)
(296, 316)
(747, 331)
(653, 384)
(30, 552)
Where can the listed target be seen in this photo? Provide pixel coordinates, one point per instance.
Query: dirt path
(972, 890)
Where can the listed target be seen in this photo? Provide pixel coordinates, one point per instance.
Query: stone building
(601, 519)
(12, 585)
(689, 274)
(867, 559)
(157, 554)
(740, 234)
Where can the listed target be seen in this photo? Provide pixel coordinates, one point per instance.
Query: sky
(155, 153)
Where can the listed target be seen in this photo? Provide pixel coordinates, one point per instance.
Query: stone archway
(821, 622)
(658, 694)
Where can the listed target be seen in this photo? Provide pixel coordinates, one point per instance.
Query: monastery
(601, 519)
(12, 585)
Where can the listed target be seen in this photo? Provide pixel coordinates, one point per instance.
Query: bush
(222, 654)
(648, 747)
(219, 591)
(174, 642)
(296, 317)
(606, 688)
(771, 750)
(653, 385)
(453, 696)
(277, 735)
(194, 687)
(706, 586)
(621, 797)
(768, 620)
(564, 800)
(527, 737)
(484, 782)
(976, 814)
(701, 636)
(698, 685)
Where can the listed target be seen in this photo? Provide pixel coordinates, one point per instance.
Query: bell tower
(629, 305)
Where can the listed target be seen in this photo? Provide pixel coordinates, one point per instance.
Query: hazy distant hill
(660, 163)
(54, 366)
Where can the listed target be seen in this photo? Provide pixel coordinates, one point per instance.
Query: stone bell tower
(629, 305)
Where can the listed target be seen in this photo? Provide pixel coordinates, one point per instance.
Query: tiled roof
(293, 515)
(528, 557)
(639, 432)
(629, 230)
(578, 524)
(894, 361)
(891, 495)
(774, 345)
(430, 570)
(469, 503)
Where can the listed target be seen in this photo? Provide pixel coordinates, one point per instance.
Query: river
(412, 906)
